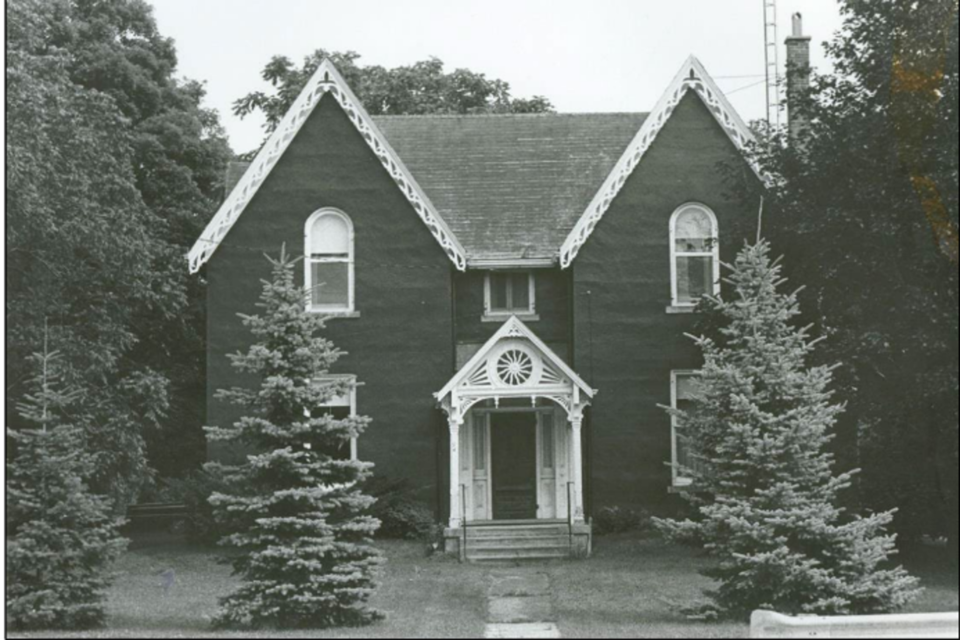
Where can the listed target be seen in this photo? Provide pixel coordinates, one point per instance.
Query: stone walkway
(520, 605)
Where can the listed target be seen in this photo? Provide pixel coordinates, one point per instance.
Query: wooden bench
(151, 514)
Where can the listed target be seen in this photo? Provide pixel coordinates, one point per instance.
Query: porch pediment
(514, 363)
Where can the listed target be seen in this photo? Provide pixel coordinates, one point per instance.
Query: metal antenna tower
(772, 61)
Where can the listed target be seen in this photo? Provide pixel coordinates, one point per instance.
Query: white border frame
(502, 314)
(678, 481)
(674, 254)
(308, 260)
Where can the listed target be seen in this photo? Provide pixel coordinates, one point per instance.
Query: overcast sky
(602, 55)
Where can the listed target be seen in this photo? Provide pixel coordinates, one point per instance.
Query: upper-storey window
(695, 254)
(329, 261)
(509, 293)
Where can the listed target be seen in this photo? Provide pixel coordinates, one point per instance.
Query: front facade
(513, 292)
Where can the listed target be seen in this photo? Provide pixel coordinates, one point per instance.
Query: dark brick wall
(625, 342)
(552, 306)
(401, 346)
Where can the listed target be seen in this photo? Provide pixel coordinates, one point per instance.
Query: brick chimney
(798, 76)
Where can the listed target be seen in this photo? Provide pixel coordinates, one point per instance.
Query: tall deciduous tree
(298, 517)
(113, 169)
(866, 204)
(765, 492)
(421, 88)
(80, 252)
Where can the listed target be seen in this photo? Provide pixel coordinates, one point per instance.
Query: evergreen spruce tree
(61, 538)
(767, 497)
(297, 520)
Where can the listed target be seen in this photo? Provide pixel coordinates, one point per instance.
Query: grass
(631, 588)
(428, 597)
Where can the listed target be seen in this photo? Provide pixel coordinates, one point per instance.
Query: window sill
(681, 309)
(681, 488)
(335, 314)
(503, 317)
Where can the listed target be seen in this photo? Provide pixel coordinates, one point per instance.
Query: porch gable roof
(514, 328)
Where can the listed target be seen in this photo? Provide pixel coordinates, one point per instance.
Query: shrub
(194, 491)
(617, 520)
(401, 515)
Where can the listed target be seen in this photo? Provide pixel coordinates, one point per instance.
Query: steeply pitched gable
(325, 81)
(691, 77)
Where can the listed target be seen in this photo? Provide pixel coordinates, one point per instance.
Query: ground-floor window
(681, 388)
(341, 407)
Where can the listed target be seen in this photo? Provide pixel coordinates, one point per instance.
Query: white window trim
(353, 406)
(308, 260)
(676, 305)
(489, 313)
(678, 480)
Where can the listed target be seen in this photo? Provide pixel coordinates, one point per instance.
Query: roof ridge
(509, 115)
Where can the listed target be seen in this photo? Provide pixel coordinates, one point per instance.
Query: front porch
(515, 413)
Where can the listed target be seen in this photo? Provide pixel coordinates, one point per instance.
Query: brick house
(512, 291)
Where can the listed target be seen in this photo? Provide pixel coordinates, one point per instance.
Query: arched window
(694, 254)
(328, 253)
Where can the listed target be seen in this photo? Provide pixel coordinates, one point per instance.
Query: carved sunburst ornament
(514, 367)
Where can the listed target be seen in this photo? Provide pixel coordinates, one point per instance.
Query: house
(512, 291)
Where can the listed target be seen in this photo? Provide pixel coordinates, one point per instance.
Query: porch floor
(470, 524)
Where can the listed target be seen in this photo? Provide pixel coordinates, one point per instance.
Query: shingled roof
(495, 188)
(511, 186)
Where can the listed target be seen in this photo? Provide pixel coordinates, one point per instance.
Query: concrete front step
(508, 541)
(517, 532)
(517, 549)
(515, 557)
(514, 548)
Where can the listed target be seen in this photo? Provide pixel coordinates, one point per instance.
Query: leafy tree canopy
(865, 203)
(421, 88)
(113, 168)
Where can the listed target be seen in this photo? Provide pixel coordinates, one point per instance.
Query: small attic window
(508, 293)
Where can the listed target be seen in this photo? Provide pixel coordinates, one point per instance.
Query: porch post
(454, 423)
(576, 422)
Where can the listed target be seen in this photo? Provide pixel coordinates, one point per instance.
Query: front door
(513, 444)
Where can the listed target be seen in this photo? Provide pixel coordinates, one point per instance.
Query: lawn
(630, 588)
(428, 597)
(633, 588)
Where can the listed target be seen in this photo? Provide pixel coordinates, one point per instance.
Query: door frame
(478, 417)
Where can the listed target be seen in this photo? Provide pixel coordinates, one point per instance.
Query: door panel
(547, 448)
(513, 441)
